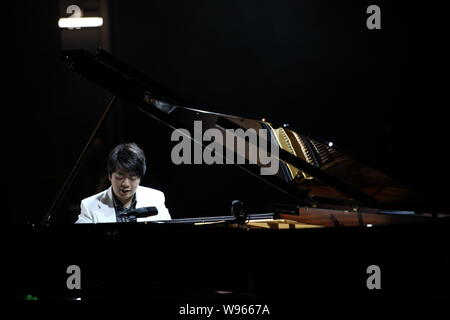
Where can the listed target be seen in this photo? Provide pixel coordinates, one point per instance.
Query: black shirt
(121, 211)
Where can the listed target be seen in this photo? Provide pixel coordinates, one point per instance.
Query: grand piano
(330, 187)
(347, 216)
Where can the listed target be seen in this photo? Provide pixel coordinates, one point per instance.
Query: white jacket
(99, 208)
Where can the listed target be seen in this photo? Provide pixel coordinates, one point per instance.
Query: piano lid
(310, 171)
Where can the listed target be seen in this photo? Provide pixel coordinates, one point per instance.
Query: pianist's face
(124, 184)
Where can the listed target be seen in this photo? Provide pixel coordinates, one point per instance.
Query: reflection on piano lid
(330, 187)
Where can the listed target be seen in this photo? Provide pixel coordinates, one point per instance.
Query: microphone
(141, 212)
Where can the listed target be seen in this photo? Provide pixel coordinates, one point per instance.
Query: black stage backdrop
(377, 94)
(380, 95)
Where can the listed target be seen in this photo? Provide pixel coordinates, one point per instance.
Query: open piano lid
(310, 171)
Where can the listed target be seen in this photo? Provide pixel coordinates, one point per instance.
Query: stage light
(85, 22)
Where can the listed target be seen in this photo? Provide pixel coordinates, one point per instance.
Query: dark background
(378, 94)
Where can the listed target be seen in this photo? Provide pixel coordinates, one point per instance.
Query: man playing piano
(125, 167)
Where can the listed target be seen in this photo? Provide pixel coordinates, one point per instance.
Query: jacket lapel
(105, 208)
(140, 199)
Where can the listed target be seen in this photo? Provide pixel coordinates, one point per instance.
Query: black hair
(128, 157)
